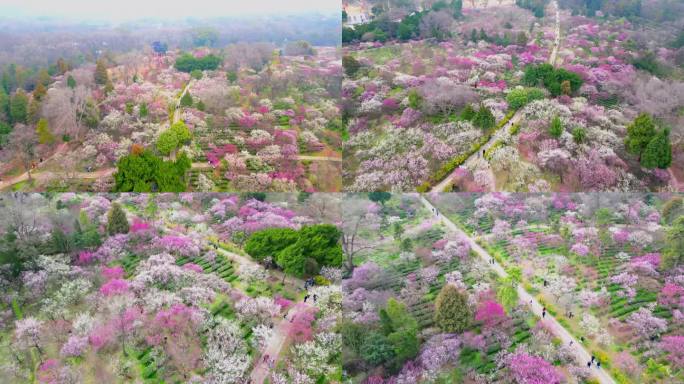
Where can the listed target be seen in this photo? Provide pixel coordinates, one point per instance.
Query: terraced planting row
(192, 176)
(221, 266)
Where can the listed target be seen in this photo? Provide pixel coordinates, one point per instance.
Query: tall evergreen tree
(658, 152)
(484, 118)
(19, 107)
(9, 78)
(186, 100)
(43, 131)
(673, 254)
(452, 312)
(116, 220)
(4, 105)
(639, 134)
(556, 127)
(101, 76)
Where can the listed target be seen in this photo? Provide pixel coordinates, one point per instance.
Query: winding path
(275, 344)
(581, 354)
(504, 131)
(106, 172)
(281, 329)
(176, 111)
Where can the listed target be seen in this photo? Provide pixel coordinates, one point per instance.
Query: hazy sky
(120, 10)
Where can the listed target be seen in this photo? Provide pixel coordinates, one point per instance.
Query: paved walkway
(275, 344)
(24, 176)
(105, 172)
(556, 42)
(176, 111)
(581, 354)
(503, 132)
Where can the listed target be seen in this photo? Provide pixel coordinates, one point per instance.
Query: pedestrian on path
(544, 312)
(598, 364)
(306, 297)
(588, 364)
(593, 358)
(315, 297)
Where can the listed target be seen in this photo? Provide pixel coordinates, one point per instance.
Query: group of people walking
(591, 362)
(307, 284)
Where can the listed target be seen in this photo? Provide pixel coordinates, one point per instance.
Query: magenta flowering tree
(85, 257)
(375, 379)
(621, 236)
(671, 295)
(528, 369)
(114, 287)
(282, 302)
(301, 327)
(215, 154)
(139, 226)
(193, 267)
(490, 313)
(116, 272)
(390, 104)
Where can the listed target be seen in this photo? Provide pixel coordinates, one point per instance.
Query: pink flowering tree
(671, 295)
(176, 331)
(28, 334)
(627, 281)
(301, 327)
(645, 325)
(674, 347)
(181, 245)
(528, 369)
